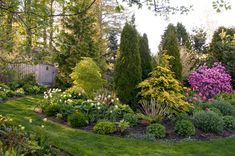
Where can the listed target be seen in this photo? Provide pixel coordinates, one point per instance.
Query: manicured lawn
(81, 143)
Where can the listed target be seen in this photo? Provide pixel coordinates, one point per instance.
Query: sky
(203, 16)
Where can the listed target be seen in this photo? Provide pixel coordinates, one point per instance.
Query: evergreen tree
(111, 55)
(164, 88)
(170, 45)
(217, 44)
(113, 46)
(222, 49)
(199, 40)
(78, 40)
(146, 60)
(183, 36)
(127, 73)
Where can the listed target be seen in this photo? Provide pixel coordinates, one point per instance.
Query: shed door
(46, 73)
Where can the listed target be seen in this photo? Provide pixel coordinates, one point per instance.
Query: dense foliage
(225, 107)
(79, 42)
(77, 119)
(210, 81)
(183, 36)
(230, 97)
(86, 77)
(146, 59)
(128, 66)
(15, 140)
(185, 128)
(208, 121)
(105, 127)
(170, 45)
(164, 88)
(229, 122)
(222, 48)
(158, 130)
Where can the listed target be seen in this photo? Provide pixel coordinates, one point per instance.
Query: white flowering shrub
(100, 108)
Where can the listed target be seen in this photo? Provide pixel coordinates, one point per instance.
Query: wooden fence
(44, 73)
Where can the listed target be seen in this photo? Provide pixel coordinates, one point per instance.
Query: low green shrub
(185, 128)
(117, 112)
(230, 97)
(229, 122)
(232, 101)
(216, 110)
(208, 121)
(131, 118)
(31, 89)
(66, 110)
(3, 96)
(59, 116)
(28, 89)
(182, 116)
(10, 93)
(52, 110)
(4, 87)
(77, 119)
(158, 130)
(105, 127)
(122, 126)
(14, 85)
(225, 107)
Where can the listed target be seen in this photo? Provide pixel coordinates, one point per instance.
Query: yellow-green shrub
(164, 88)
(87, 77)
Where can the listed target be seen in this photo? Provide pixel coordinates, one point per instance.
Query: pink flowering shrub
(210, 82)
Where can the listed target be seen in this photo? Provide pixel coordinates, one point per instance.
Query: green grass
(80, 143)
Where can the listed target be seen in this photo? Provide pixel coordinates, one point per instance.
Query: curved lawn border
(81, 143)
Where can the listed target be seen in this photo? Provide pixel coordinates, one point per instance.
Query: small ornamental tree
(86, 77)
(164, 88)
(210, 81)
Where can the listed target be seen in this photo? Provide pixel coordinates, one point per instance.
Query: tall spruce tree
(183, 36)
(76, 42)
(170, 45)
(127, 73)
(146, 59)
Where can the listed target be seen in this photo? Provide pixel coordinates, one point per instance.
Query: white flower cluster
(66, 98)
(68, 101)
(106, 99)
(50, 92)
(21, 127)
(97, 105)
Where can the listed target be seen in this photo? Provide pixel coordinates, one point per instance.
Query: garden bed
(140, 128)
(79, 142)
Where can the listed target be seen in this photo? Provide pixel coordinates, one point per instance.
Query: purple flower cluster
(210, 81)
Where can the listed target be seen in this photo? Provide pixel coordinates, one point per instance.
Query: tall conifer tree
(183, 36)
(170, 45)
(127, 73)
(146, 60)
